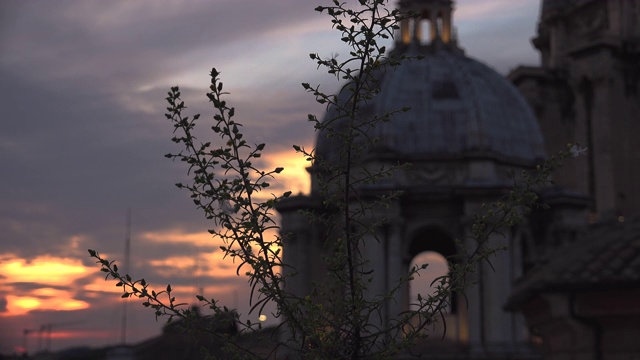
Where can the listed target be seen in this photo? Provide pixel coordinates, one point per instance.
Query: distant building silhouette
(582, 293)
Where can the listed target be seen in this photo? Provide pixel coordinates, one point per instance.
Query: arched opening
(425, 283)
(433, 246)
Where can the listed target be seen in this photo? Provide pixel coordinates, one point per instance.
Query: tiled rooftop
(607, 257)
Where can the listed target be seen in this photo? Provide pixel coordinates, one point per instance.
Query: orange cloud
(209, 264)
(48, 292)
(100, 285)
(80, 334)
(178, 236)
(44, 270)
(21, 305)
(47, 272)
(178, 262)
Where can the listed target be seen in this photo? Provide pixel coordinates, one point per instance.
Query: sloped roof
(607, 257)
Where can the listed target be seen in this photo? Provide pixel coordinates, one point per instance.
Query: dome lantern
(437, 14)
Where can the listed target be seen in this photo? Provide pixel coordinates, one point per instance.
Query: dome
(459, 108)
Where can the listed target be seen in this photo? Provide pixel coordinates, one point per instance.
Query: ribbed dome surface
(458, 107)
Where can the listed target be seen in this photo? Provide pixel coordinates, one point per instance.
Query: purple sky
(83, 137)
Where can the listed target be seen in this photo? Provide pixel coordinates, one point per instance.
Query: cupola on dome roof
(459, 106)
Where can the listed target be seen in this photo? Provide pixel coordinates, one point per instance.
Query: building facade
(587, 90)
(581, 295)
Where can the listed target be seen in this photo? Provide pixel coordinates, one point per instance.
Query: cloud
(498, 32)
(177, 236)
(43, 283)
(473, 11)
(20, 305)
(43, 270)
(86, 40)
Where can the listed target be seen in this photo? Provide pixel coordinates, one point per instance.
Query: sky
(83, 135)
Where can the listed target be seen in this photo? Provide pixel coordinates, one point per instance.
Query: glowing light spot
(262, 317)
(620, 218)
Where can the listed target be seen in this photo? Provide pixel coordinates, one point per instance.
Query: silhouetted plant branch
(336, 322)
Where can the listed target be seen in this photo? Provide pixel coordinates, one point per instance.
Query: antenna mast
(127, 253)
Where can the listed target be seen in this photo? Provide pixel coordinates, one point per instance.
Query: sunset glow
(294, 177)
(88, 137)
(208, 264)
(80, 334)
(98, 286)
(44, 269)
(178, 236)
(20, 305)
(43, 274)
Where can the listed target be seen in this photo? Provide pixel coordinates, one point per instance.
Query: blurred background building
(581, 296)
(569, 285)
